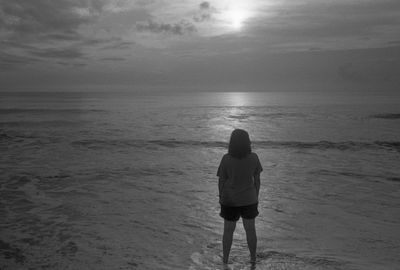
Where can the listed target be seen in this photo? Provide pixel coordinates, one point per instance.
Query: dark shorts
(233, 213)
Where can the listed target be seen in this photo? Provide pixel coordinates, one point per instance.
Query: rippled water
(127, 181)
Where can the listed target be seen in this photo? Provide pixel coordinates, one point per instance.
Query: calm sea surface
(127, 181)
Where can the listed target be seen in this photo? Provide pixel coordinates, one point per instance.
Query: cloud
(8, 61)
(370, 71)
(56, 53)
(66, 35)
(393, 42)
(180, 28)
(118, 44)
(188, 36)
(71, 64)
(29, 28)
(62, 29)
(205, 12)
(63, 17)
(204, 5)
(176, 18)
(332, 25)
(113, 59)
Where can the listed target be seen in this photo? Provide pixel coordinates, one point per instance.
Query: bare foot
(253, 259)
(253, 263)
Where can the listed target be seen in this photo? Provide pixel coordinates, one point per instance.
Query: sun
(235, 17)
(230, 16)
(235, 13)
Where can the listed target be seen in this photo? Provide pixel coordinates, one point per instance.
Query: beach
(128, 181)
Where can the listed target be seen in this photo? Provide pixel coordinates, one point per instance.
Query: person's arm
(257, 172)
(257, 182)
(222, 175)
(221, 183)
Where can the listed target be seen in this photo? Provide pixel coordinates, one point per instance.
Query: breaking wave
(319, 145)
(41, 110)
(389, 116)
(266, 115)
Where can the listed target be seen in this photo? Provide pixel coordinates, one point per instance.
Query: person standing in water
(239, 186)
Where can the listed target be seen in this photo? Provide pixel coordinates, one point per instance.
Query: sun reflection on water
(237, 99)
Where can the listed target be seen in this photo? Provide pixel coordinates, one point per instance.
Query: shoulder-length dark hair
(239, 144)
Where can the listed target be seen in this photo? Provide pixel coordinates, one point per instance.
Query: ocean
(128, 180)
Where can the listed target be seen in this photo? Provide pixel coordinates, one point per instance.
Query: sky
(216, 45)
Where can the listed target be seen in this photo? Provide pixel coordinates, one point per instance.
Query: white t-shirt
(238, 180)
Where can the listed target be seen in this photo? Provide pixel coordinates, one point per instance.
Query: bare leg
(251, 236)
(229, 228)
